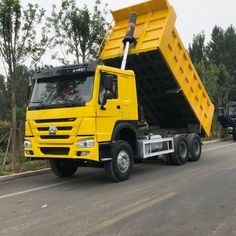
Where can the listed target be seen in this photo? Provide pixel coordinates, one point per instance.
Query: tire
(168, 159)
(234, 136)
(121, 164)
(62, 167)
(194, 146)
(180, 155)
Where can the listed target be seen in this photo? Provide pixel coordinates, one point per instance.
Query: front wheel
(62, 167)
(121, 164)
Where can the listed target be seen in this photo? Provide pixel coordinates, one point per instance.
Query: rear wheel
(62, 167)
(180, 155)
(121, 164)
(195, 147)
(168, 159)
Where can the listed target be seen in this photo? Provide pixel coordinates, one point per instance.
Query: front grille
(55, 120)
(58, 128)
(54, 136)
(55, 151)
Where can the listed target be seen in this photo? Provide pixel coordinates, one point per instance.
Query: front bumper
(70, 151)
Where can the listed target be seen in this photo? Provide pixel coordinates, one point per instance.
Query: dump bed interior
(168, 86)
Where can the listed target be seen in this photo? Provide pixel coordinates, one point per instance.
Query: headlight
(85, 143)
(27, 144)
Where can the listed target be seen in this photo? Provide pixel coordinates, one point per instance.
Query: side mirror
(221, 113)
(107, 85)
(106, 96)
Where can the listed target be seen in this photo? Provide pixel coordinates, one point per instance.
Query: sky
(192, 16)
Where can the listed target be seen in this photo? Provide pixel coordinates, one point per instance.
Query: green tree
(222, 52)
(230, 52)
(216, 51)
(22, 86)
(222, 49)
(19, 43)
(3, 98)
(78, 32)
(218, 84)
(215, 63)
(197, 50)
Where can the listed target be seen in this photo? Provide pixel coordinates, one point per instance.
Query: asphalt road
(195, 199)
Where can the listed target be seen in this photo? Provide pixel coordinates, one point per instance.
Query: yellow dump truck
(146, 100)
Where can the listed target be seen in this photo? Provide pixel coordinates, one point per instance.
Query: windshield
(232, 111)
(62, 92)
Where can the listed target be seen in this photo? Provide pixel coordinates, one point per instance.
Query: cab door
(110, 110)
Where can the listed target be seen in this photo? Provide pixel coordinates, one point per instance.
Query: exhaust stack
(129, 38)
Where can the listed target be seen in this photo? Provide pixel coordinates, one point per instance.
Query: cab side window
(115, 88)
(113, 92)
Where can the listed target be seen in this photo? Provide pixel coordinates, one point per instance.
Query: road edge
(216, 140)
(24, 174)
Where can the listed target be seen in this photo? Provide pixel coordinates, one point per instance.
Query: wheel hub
(197, 147)
(123, 161)
(183, 150)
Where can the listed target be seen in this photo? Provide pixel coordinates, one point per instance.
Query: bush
(4, 127)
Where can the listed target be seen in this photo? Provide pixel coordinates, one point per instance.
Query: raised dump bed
(169, 88)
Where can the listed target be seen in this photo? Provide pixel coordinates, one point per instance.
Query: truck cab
(71, 114)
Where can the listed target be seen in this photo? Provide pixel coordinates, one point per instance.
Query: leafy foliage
(197, 50)
(78, 32)
(3, 98)
(217, 82)
(222, 49)
(18, 37)
(19, 44)
(216, 63)
(4, 130)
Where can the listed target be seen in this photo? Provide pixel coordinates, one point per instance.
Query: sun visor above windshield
(65, 70)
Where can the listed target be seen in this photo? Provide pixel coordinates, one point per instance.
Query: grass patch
(22, 165)
(2, 156)
(2, 173)
(33, 165)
